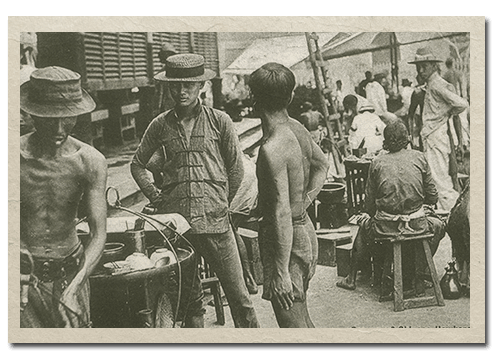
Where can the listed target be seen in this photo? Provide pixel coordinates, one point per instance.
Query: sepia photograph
(236, 179)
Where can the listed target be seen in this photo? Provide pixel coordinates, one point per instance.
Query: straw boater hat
(425, 55)
(55, 92)
(185, 68)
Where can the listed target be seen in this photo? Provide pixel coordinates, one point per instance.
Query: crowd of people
(200, 173)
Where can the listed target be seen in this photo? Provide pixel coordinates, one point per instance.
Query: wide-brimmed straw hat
(185, 68)
(55, 92)
(425, 55)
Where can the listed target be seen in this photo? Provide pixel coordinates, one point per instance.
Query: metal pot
(112, 252)
(331, 193)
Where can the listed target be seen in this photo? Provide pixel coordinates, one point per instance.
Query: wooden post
(314, 63)
(319, 86)
(330, 97)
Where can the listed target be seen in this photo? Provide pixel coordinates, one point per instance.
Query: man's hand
(281, 288)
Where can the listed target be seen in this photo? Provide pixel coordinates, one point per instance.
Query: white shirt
(375, 94)
(367, 126)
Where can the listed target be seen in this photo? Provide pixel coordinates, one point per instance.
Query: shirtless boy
(291, 170)
(57, 172)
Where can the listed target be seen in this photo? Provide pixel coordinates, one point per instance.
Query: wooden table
(330, 239)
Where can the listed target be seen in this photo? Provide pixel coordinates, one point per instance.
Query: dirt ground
(333, 307)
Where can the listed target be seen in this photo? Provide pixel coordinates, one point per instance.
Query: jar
(163, 253)
(139, 261)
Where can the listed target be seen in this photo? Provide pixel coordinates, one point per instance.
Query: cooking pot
(331, 193)
(112, 252)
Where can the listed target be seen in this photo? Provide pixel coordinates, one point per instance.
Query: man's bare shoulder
(87, 152)
(282, 144)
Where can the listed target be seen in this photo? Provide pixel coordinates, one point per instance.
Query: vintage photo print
(198, 175)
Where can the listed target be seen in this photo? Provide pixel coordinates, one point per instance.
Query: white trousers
(437, 151)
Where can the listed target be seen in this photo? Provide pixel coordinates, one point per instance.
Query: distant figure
(376, 95)
(311, 120)
(352, 104)
(291, 170)
(364, 82)
(367, 129)
(415, 113)
(333, 174)
(441, 103)
(406, 93)
(339, 96)
(453, 76)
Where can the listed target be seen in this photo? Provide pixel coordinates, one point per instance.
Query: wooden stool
(399, 302)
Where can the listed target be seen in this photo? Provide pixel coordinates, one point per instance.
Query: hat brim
(426, 61)
(207, 75)
(70, 109)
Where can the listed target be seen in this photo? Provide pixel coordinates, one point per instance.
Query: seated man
(399, 187)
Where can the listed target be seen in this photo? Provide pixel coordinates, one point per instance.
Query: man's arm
(95, 199)
(430, 190)
(317, 173)
(457, 105)
(149, 144)
(382, 98)
(274, 162)
(232, 155)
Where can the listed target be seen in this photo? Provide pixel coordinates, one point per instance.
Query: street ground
(333, 307)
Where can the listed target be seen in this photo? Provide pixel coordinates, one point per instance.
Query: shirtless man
(291, 170)
(57, 171)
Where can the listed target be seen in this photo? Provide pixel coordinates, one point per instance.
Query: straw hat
(425, 55)
(185, 68)
(55, 92)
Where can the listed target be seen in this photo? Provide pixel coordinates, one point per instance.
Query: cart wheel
(164, 314)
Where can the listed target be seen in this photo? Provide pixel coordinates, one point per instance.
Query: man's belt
(48, 270)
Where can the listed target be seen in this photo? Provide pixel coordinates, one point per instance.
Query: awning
(360, 43)
(287, 50)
